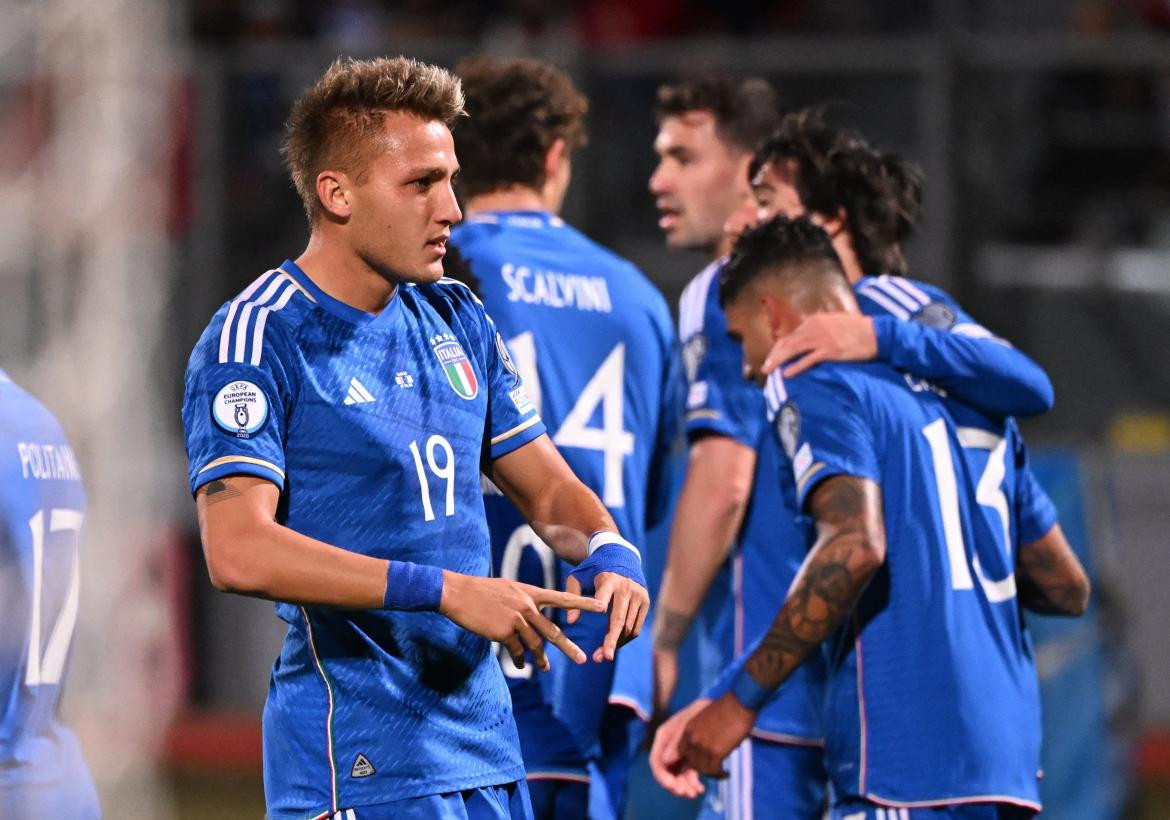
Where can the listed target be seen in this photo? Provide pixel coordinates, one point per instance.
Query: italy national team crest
(456, 365)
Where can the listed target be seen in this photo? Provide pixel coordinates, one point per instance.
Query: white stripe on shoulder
(885, 302)
(262, 317)
(693, 304)
(244, 341)
(890, 289)
(225, 335)
(447, 280)
(915, 292)
(775, 392)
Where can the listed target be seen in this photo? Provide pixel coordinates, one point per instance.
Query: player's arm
(968, 362)
(709, 514)
(571, 519)
(1049, 578)
(849, 550)
(249, 553)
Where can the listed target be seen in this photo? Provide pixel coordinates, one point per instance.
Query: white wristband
(600, 539)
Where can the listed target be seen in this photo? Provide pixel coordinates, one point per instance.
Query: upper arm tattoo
(1049, 577)
(220, 489)
(850, 548)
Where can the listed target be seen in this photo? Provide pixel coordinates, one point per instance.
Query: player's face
(756, 323)
(698, 183)
(774, 190)
(403, 206)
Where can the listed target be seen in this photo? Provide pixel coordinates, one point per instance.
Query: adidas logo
(362, 767)
(358, 393)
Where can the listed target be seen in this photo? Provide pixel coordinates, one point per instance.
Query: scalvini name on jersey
(558, 290)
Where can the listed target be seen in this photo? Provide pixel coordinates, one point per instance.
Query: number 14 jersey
(374, 428)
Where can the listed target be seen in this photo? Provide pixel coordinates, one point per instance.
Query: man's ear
(832, 225)
(776, 312)
(333, 190)
(553, 158)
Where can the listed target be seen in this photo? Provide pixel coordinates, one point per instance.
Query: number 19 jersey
(375, 429)
(42, 505)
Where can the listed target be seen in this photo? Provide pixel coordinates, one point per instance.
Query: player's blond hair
(336, 123)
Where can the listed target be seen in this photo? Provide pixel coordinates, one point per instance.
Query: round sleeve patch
(240, 408)
(788, 426)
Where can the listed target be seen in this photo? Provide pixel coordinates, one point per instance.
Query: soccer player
(708, 131)
(338, 414)
(922, 559)
(42, 507)
(594, 341)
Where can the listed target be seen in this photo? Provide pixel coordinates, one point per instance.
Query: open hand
(631, 604)
(833, 337)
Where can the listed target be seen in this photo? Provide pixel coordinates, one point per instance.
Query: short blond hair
(336, 123)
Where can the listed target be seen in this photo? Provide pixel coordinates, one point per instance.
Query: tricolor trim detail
(259, 462)
(519, 428)
(632, 705)
(242, 338)
(571, 777)
(953, 801)
(329, 719)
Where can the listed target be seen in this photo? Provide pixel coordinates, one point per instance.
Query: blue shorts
(507, 802)
(768, 779)
(855, 808)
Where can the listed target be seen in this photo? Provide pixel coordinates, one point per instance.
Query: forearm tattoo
(670, 628)
(847, 511)
(220, 490)
(1049, 578)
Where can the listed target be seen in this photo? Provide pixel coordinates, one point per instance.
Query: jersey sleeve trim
(518, 437)
(519, 428)
(238, 465)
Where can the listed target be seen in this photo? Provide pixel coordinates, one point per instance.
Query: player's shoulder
(907, 298)
(259, 318)
(694, 306)
(22, 407)
(828, 381)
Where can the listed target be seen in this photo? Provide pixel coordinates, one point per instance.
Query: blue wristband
(750, 694)
(609, 552)
(413, 587)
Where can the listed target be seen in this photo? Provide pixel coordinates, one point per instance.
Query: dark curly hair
(746, 110)
(837, 170)
(795, 249)
(516, 110)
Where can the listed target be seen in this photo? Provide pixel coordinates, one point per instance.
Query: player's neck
(342, 274)
(516, 198)
(843, 245)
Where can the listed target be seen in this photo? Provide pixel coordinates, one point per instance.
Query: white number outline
(605, 387)
(447, 471)
(47, 669)
(524, 536)
(988, 493)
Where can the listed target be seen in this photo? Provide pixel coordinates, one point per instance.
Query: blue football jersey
(42, 507)
(772, 543)
(375, 428)
(923, 331)
(594, 341)
(932, 695)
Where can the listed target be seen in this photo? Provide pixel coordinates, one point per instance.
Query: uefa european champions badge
(240, 408)
(693, 352)
(456, 365)
(506, 358)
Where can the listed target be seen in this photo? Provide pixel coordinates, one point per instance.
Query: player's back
(932, 694)
(42, 505)
(593, 340)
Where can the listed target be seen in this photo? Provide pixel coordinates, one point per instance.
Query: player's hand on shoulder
(666, 762)
(713, 733)
(833, 337)
(628, 603)
(509, 612)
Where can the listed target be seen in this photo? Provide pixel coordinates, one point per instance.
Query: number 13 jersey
(374, 427)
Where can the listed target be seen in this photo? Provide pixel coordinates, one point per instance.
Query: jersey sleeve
(718, 399)
(235, 413)
(660, 484)
(921, 330)
(1035, 511)
(823, 428)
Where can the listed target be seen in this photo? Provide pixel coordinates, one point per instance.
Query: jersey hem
(517, 437)
(501, 778)
(633, 704)
(707, 425)
(785, 739)
(954, 801)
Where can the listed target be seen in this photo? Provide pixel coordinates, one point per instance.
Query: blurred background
(140, 187)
